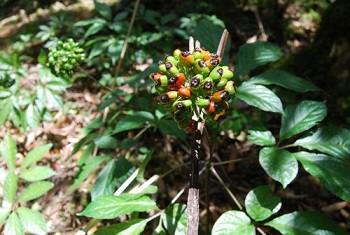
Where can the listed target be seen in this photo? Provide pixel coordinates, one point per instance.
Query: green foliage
(262, 138)
(260, 97)
(110, 206)
(17, 218)
(285, 80)
(173, 220)
(130, 227)
(330, 140)
(279, 164)
(305, 223)
(27, 104)
(261, 203)
(256, 54)
(301, 117)
(233, 222)
(332, 172)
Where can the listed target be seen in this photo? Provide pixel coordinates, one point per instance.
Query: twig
(222, 44)
(125, 44)
(264, 36)
(233, 197)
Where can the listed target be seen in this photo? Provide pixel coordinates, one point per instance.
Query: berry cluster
(188, 80)
(65, 57)
(6, 80)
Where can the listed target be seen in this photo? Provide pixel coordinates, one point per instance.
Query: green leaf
(130, 227)
(330, 140)
(8, 150)
(305, 223)
(103, 9)
(13, 225)
(252, 55)
(35, 155)
(333, 173)
(10, 187)
(285, 80)
(209, 32)
(96, 27)
(86, 169)
(37, 173)
(106, 142)
(111, 177)
(301, 117)
(133, 121)
(170, 127)
(233, 222)
(4, 212)
(260, 97)
(279, 164)
(32, 221)
(110, 206)
(32, 116)
(262, 138)
(35, 190)
(261, 203)
(6, 108)
(174, 219)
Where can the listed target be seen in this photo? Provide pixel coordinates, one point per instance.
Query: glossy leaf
(305, 223)
(10, 187)
(252, 55)
(333, 173)
(130, 227)
(35, 190)
(111, 177)
(262, 138)
(301, 117)
(330, 140)
(13, 225)
(35, 155)
(233, 222)
(279, 164)
(37, 173)
(110, 206)
(8, 150)
(261, 203)
(32, 221)
(260, 97)
(285, 80)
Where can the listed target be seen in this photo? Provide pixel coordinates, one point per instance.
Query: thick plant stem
(193, 192)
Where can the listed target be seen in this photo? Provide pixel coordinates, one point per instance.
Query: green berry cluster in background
(187, 80)
(65, 57)
(6, 80)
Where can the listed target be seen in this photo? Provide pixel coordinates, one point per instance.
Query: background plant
(16, 211)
